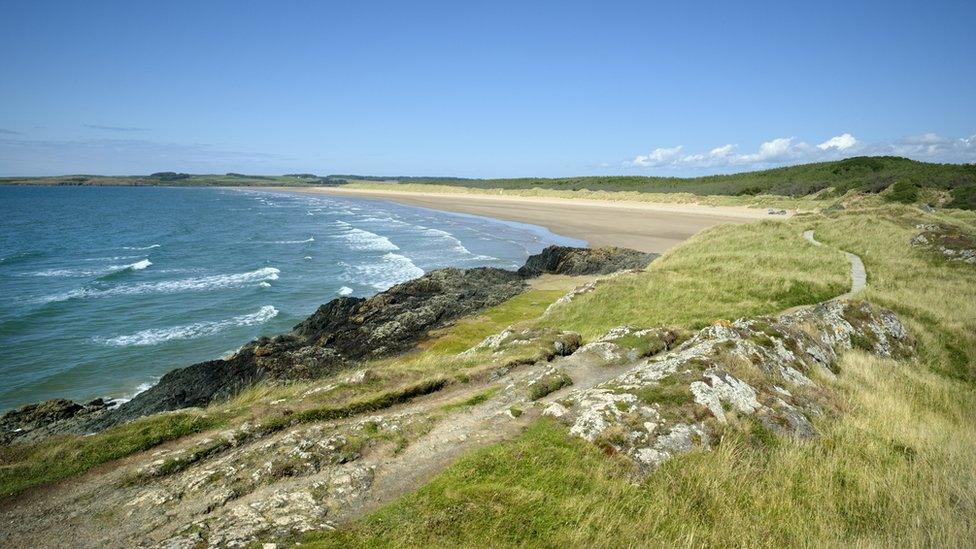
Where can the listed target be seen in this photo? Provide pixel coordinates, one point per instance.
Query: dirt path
(858, 273)
(303, 478)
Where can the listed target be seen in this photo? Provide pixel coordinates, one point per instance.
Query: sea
(105, 289)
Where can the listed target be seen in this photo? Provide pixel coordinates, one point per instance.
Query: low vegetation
(394, 381)
(895, 467)
(55, 458)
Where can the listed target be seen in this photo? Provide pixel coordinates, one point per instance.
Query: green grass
(895, 468)
(474, 400)
(549, 383)
(468, 332)
(26, 465)
(723, 273)
(55, 458)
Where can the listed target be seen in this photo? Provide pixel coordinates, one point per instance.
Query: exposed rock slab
(761, 368)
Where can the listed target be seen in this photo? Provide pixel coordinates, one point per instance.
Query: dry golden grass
(897, 467)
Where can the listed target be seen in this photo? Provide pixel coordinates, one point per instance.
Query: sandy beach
(649, 227)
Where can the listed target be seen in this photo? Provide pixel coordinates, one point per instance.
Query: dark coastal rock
(343, 330)
(339, 334)
(584, 261)
(395, 320)
(46, 416)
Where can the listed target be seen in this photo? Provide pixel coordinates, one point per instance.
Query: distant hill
(867, 174)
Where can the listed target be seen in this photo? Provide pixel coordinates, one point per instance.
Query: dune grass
(897, 467)
(725, 272)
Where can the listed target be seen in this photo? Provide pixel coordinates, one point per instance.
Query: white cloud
(925, 139)
(777, 149)
(721, 152)
(928, 147)
(841, 143)
(661, 156)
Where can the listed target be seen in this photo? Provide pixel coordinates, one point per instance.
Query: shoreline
(643, 226)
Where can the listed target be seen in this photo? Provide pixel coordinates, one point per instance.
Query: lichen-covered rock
(571, 295)
(549, 342)
(625, 344)
(951, 243)
(757, 368)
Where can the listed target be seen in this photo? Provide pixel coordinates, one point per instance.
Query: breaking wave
(358, 239)
(111, 269)
(197, 284)
(392, 269)
(190, 331)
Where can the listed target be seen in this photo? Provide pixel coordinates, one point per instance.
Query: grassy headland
(895, 467)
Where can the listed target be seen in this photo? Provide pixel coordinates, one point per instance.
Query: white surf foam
(190, 331)
(358, 239)
(345, 290)
(112, 258)
(197, 284)
(392, 269)
(456, 245)
(141, 388)
(309, 239)
(141, 247)
(137, 266)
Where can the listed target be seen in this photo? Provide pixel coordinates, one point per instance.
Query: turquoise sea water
(104, 289)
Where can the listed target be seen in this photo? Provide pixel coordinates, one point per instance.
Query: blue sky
(480, 89)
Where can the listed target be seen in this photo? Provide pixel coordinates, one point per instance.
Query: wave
(309, 239)
(358, 239)
(112, 258)
(456, 245)
(151, 246)
(137, 266)
(345, 290)
(105, 271)
(18, 257)
(197, 284)
(190, 331)
(391, 270)
(141, 388)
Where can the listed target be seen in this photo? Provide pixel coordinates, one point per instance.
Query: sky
(480, 89)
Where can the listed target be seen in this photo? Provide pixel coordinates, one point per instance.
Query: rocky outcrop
(46, 417)
(759, 370)
(341, 333)
(395, 320)
(950, 242)
(584, 261)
